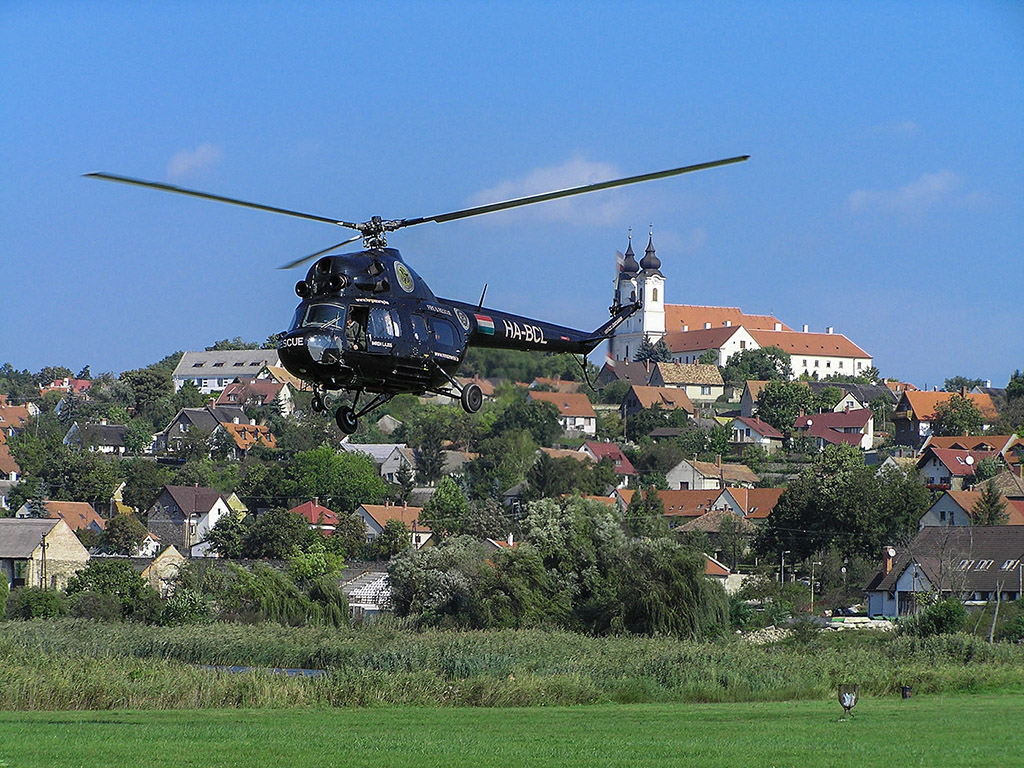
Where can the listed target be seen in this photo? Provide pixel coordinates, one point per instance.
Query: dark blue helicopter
(368, 324)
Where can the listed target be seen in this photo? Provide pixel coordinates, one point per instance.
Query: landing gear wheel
(317, 403)
(346, 419)
(472, 398)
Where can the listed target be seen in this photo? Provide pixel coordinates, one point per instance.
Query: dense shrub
(5, 590)
(185, 606)
(118, 579)
(35, 603)
(944, 618)
(94, 605)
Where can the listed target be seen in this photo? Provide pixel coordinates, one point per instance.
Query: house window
(654, 294)
(942, 516)
(705, 390)
(840, 363)
(817, 363)
(805, 362)
(743, 344)
(218, 365)
(828, 363)
(859, 364)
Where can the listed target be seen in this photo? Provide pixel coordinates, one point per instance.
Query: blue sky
(883, 196)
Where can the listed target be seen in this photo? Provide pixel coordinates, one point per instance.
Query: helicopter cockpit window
(384, 325)
(300, 313)
(444, 332)
(324, 314)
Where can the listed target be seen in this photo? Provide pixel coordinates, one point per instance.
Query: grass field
(947, 731)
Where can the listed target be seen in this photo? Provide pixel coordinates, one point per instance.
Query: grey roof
(104, 434)
(209, 417)
(234, 362)
(20, 537)
(193, 499)
(971, 558)
(863, 392)
(624, 370)
(379, 452)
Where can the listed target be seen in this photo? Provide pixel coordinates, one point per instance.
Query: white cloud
(187, 162)
(918, 197)
(597, 208)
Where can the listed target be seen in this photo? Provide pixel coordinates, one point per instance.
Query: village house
(389, 458)
(690, 474)
(667, 398)
(633, 373)
(183, 515)
(14, 417)
(102, 438)
(752, 504)
(376, 516)
(1009, 447)
(241, 438)
(752, 431)
(600, 451)
(702, 383)
(916, 412)
(39, 552)
(213, 371)
(575, 412)
(258, 393)
(9, 469)
(158, 569)
(679, 505)
(855, 428)
(944, 469)
(317, 516)
(77, 514)
(203, 421)
(957, 508)
(973, 563)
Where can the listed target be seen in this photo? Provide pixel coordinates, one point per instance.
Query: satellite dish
(970, 460)
(890, 551)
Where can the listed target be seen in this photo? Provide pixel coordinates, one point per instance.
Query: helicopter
(368, 324)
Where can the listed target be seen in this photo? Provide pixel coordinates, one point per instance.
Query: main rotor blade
(219, 199)
(530, 199)
(311, 256)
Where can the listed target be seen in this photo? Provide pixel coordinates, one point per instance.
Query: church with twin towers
(691, 330)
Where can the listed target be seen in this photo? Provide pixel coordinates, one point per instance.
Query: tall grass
(74, 664)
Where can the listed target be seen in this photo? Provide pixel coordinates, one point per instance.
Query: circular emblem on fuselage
(463, 320)
(404, 277)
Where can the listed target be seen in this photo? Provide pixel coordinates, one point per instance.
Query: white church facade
(690, 331)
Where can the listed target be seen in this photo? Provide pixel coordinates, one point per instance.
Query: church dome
(650, 262)
(629, 265)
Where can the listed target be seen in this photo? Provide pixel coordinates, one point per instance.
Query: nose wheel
(347, 420)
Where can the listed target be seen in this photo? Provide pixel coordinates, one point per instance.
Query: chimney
(235, 420)
(727, 323)
(805, 328)
(316, 501)
(686, 328)
(706, 326)
(103, 422)
(510, 542)
(829, 330)
(963, 392)
(252, 422)
(405, 505)
(718, 460)
(778, 327)
(887, 561)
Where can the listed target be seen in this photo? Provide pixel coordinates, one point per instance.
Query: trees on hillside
(780, 402)
(762, 364)
(957, 416)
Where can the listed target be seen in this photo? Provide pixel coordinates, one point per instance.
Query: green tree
(406, 481)
(657, 352)
(227, 534)
(232, 344)
(538, 418)
(708, 358)
(780, 402)
(392, 540)
(959, 383)
(762, 364)
(645, 515)
(445, 510)
(277, 535)
(957, 416)
(123, 534)
(486, 519)
(827, 398)
(119, 579)
(1015, 387)
(342, 481)
(990, 509)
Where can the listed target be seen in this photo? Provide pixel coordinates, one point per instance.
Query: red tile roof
(761, 427)
(698, 340)
(669, 398)
(623, 466)
(959, 463)
(924, 404)
(686, 503)
(261, 390)
(315, 513)
(77, 514)
(567, 403)
(714, 568)
(821, 344)
(247, 435)
(7, 463)
(966, 500)
(756, 503)
(381, 513)
(695, 316)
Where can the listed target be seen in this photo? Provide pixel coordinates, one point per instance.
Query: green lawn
(946, 731)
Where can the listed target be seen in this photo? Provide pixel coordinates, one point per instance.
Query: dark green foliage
(96, 606)
(504, 461)
(277, 535)
(342, 481)
(236, 343)
(958, 383)
(392, 540)
(990, 509)
(185, 606)
(645, 516)
(780, 402)
(226, 536)
(613, 393)
(265, 594)
(540, 419)
(944, 618)
(827, 398)
(1015, 386)
(35, 603)
(123, 534)
(762, 364)
(445, 510)
(120, 580)
(143, 480)
(957, 416)
(642, 423)
(552, 477)
(839, 502)
(5, 591)
(520, 366)
(486, 519)
(655, 353)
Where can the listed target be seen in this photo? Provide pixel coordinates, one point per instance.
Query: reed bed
(80, 664)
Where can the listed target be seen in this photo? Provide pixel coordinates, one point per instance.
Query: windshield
(324, 314)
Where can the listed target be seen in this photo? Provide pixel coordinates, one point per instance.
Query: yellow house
(40, 552)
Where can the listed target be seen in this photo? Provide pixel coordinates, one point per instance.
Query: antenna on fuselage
(482, 294)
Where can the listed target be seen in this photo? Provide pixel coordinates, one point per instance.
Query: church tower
(645, 282)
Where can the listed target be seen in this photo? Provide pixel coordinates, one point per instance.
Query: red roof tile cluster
(8, 466)
(315, 513)
(77, 514)
(821, 344)
(924, 404)
(600, 451)
(381, 513)
(686, 503)
(263, 391)
(695, 316)
(669, 398)
(567, 403)
(967, 500)
(959, 463)
(698, 340)
(761, 427)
